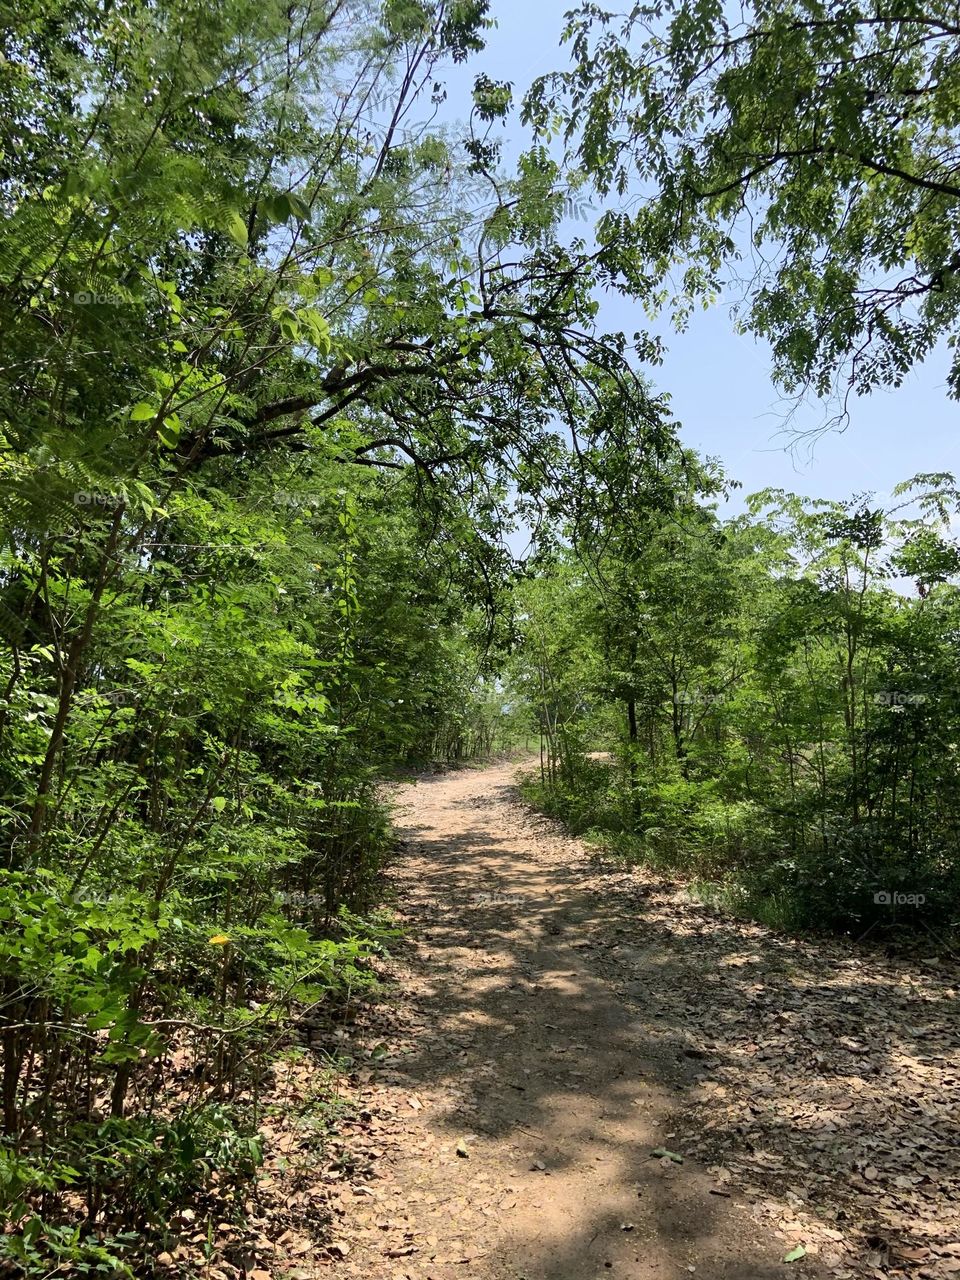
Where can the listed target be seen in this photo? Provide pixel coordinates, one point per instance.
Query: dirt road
(555, 1029)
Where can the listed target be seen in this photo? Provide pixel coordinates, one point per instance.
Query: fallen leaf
(664, 1154)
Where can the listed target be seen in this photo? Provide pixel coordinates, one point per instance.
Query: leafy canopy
(807, 151)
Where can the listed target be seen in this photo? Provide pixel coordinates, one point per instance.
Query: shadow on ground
(577, 1022)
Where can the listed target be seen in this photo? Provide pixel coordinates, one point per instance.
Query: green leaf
(318, 329)
(795, 1254)
(663, 1154)
(169, 431)
(236, 229)
(278, 207)
(142, 412)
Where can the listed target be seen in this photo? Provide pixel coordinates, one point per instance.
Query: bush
(130, 1176)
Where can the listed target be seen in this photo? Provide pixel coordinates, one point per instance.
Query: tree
(816, 144)
(783, 718)
(281, 356)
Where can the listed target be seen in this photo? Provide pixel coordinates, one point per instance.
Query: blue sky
(719, 381)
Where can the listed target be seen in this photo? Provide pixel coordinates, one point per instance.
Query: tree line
(778, 694)
(285, 362)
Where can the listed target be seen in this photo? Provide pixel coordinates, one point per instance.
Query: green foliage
(284, 365)
(816, 142)
(281, 360)
(132, 1174)
(782, 723)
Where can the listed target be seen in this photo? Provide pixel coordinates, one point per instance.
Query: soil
(582, 1072)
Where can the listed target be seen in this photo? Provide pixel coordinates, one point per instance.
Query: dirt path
(554, 1028)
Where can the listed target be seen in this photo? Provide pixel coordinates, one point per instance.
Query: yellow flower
(219, 939)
